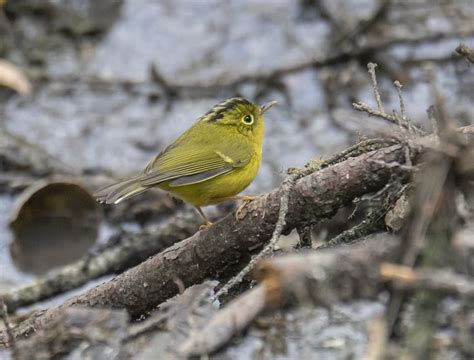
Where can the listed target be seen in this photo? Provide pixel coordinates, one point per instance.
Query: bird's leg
(245, 200)
(207, 222)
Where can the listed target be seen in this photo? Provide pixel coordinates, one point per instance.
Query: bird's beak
(267, 106)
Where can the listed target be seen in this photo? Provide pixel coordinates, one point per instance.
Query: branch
(371, 67)
(444, 281)
(228, 322)
(229, 242)
(8, 329)
(319, 278)
(286, 188)
(401, 120)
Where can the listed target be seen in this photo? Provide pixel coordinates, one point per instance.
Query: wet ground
(112, 91)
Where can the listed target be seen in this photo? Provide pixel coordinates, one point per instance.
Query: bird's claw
(205, 226)
(239, 214)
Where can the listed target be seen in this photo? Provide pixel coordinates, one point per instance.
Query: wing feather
(197, 163)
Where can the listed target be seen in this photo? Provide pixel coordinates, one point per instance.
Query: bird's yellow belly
(216, 189)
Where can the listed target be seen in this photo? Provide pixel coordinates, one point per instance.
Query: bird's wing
(194, 163)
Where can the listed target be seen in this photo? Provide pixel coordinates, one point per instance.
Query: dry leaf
(11, 76)
(396, 218)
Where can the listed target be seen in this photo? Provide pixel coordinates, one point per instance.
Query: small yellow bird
(213, 161)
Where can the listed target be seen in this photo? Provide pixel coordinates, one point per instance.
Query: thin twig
(373, 77)
(361, 106)
(358, 149)
(6, 321)
(402, 121)
(396, 165)
(408, 148)
(286, 187)
(439, 112)
(399, 87)
(434, 123)
(295, 174)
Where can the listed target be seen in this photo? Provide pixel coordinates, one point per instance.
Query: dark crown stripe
(218, 111)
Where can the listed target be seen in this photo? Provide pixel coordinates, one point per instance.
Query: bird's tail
(115, 193)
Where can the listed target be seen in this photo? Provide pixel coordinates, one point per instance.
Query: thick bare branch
(229, 243)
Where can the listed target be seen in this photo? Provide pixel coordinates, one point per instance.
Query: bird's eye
(248, 119)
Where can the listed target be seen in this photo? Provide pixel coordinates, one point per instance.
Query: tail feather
(115, 193)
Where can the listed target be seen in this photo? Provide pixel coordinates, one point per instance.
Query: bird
(213, 161)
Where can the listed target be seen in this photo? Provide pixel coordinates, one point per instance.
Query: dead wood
(434, 218)
(229, 242)
(442, 281)
(228, 322)
(320, 278)
(436, 212)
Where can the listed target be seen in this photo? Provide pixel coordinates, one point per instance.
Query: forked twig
(401, 120)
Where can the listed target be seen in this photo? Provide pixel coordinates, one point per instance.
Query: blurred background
(93, 89)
